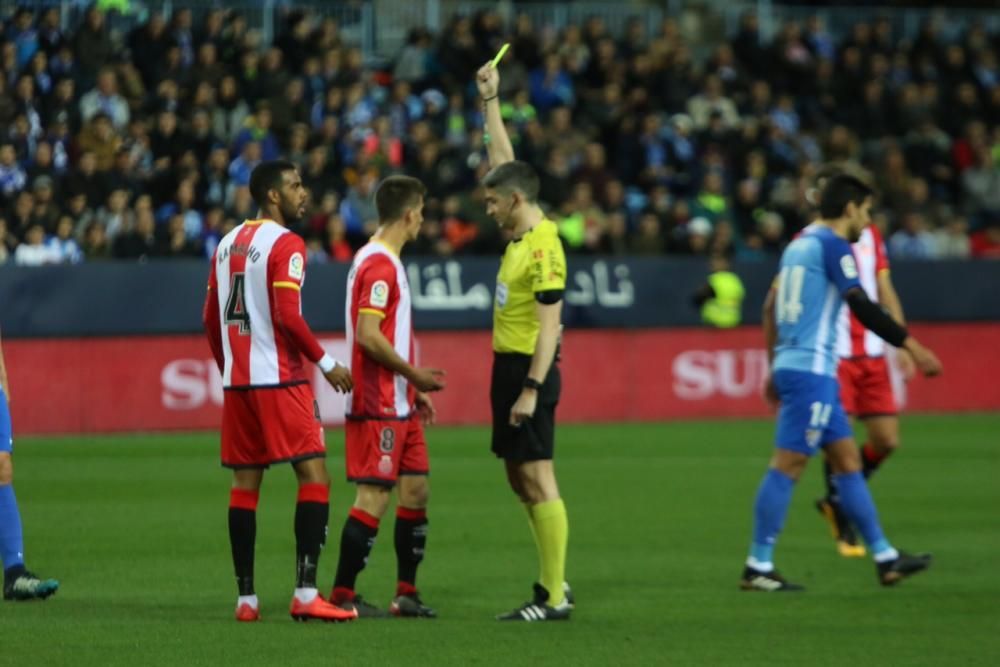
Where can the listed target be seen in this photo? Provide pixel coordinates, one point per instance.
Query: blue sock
(770, 508)
(857, 503)
(11, 539)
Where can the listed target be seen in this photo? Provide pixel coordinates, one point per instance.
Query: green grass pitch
(135, 528)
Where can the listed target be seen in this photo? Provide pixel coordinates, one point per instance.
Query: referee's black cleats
(892, 572)
(767, 582)
(539, 609)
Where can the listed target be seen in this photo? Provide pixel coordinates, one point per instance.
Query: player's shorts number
(820, 414)
(387, 440)
(236, 309)
(789, 306)
(818, 419)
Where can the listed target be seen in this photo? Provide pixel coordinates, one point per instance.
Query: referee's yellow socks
(550, 527)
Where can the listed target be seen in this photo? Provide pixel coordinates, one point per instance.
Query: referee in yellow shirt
(525, 384)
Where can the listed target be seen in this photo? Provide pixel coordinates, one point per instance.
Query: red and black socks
(312, 511)
(411, 539)
(243, 535)
(356, 542)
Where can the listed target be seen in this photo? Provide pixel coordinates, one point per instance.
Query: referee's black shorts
(534, 440)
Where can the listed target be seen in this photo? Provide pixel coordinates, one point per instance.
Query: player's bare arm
(889, 298)
(425, 408)
(885, 327)
(498, 146)
(549, 318)
(340, 378)
(377, 346)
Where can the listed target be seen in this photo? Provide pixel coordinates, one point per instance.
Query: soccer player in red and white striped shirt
(253, 320)
(389, 406)
(865, 386)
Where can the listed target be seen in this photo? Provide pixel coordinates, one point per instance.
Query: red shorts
(265, 426)
(865, 388)
(378, 451)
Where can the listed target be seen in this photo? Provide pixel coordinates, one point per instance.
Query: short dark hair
(839, 191)
(267, 176)
(514, 175)
(395, 194)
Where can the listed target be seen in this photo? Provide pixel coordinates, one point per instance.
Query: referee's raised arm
(498, 145)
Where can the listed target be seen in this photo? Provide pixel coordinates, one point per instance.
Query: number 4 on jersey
(789, 302)
(236, 310)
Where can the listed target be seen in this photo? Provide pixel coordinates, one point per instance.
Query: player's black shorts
(534, 440)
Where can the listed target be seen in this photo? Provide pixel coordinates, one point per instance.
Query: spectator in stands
(986, 242)
(140, 241)
(104, 99)
(912, 241)
(95, 243)
(6, 242)
(951, 241)
(981, 187)
(241, 168)
(62, 243)
(33, 251)
(12, 177)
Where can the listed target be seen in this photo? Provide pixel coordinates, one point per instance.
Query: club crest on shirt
(380, 294)
(296, 266)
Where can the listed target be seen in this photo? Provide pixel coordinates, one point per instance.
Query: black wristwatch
(532, 383)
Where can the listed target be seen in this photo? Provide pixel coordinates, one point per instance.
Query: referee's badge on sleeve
(501, 294)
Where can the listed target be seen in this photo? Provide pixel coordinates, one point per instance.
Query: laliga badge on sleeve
(380, 294)
(296, 266)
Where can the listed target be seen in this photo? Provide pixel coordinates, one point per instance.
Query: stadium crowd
(140, 143)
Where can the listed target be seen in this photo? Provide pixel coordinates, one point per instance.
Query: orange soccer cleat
(246, 613)
(321, 610)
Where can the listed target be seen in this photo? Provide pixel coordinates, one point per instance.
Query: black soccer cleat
(364, 608)
(410, 606)
(539, 609)
(568, 596)
(848, 544)
(892, 572)
(27, 586)
(767, 582)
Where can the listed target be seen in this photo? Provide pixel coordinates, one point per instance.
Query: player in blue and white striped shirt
(818, 275)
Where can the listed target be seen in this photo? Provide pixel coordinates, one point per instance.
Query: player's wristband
(532, 383)
(327, 363)
(487, 99)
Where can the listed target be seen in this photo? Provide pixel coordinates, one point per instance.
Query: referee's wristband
(532, 383)
(328, 363)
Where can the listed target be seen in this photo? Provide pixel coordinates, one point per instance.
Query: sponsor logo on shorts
(385, 465)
